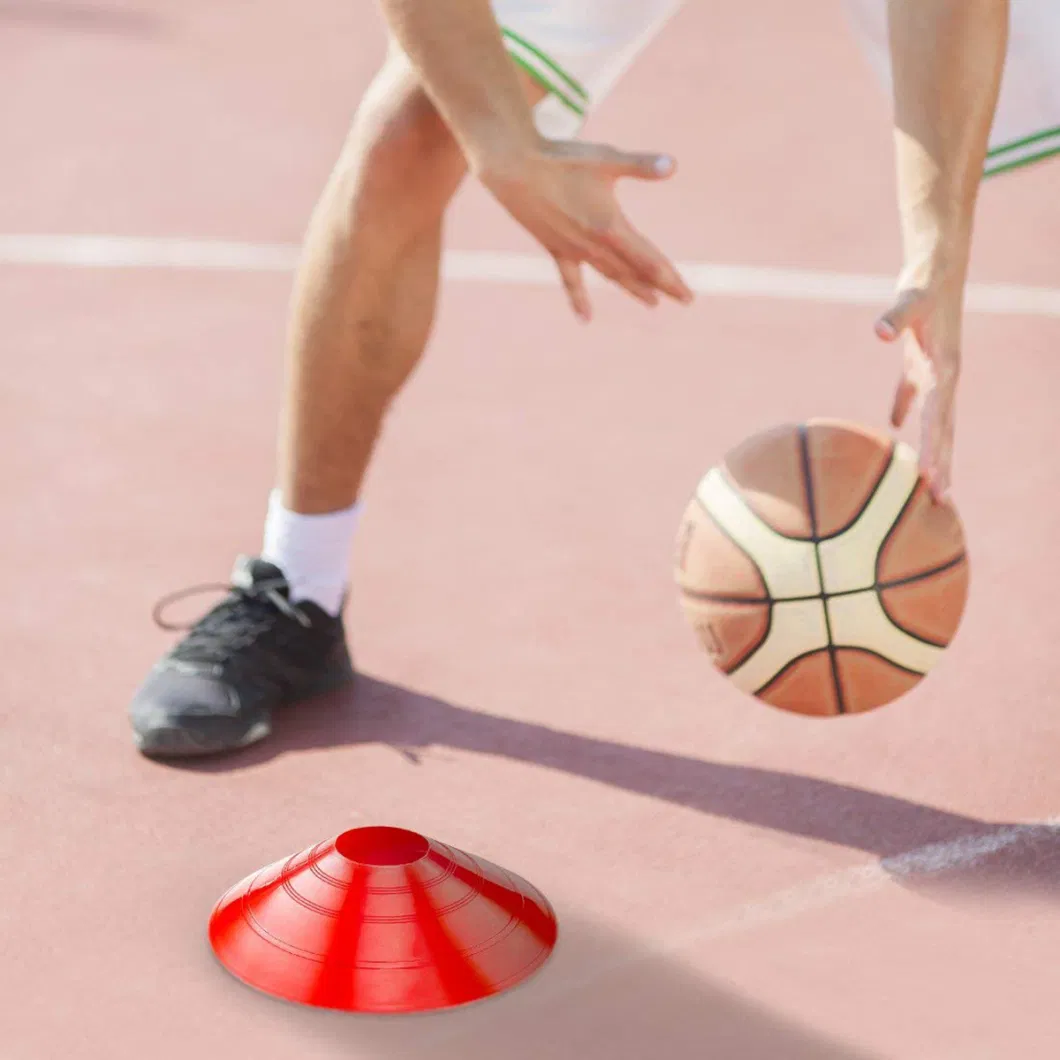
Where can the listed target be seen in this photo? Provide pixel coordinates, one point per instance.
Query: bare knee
(400, 157)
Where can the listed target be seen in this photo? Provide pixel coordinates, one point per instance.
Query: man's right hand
(563, 194)
(927, 316)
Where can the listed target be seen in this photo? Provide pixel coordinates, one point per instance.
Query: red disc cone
(382, 920)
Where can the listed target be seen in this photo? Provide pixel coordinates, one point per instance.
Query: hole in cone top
(379, 846)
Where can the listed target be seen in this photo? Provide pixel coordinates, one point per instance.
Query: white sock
(313, 551)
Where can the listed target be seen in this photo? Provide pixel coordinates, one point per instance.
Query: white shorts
(578, 49)
(1027, 123)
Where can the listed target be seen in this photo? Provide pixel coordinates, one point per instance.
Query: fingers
(637, 253)
(639, 274)
(938, 429)
(929, 321)
(938, 484)
(570, 209)
(906, 313)
(622, 254)
(570, 273)
(934, 459)
(573, 249)
(647, 261)
(612, 268)
(904, 397)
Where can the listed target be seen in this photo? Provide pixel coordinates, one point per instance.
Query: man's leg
(365, 293)
(362, 312)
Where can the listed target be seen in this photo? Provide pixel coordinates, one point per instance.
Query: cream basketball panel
(859, 621)
(788, 567)
(796, 628)
(848, 560)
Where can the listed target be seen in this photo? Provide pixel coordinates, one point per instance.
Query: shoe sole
(183, 743)
(173, 742)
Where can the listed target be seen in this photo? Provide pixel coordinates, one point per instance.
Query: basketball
(818, 572)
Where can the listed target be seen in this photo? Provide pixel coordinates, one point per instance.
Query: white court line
(856, 882)
(484, 266)
(930, 860)
(820, 893)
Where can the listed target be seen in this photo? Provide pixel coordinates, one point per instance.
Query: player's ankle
(312, 551)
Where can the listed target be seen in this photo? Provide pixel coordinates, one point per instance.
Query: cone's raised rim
(380, 846)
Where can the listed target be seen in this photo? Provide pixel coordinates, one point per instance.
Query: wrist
(936, 251)
(496, 144)
(936, 218)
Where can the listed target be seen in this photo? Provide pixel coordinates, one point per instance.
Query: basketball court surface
(731, 881)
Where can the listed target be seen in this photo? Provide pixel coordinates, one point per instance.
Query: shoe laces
(237, 621)
(267, 589)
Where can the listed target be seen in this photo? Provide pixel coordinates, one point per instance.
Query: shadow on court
(602, 994)
(987, 855)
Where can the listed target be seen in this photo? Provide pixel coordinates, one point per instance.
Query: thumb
(903, 314)
(640, 165)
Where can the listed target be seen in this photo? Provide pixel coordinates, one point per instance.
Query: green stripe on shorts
(1023, 152)
(548, 72)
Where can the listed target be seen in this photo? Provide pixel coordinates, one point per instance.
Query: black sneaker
(216, 689)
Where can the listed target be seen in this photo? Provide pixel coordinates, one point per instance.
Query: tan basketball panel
(805, 687)
(868, 681)
(767, 470)
(926, 536)
(930, 607)
(708, 560)
(729, 632)
(846, 463)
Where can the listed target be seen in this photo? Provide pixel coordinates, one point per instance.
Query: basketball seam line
(906, 582)
(815, 537)
(823, 598)
(761, 575)
(728, 537)
(911, 579)
(811, 509)
(879, 587)
(842, 647)
(892, 451)
(894, 526)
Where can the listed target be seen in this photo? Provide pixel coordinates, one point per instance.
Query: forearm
(458, 52)
(947, 57)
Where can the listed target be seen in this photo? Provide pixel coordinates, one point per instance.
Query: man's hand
(947, 58)
(926, 316)
(563, 194)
